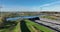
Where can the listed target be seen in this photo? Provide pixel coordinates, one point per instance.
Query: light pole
(0, 8)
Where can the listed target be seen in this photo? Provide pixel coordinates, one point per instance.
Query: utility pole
(0, 8)
(40, 8)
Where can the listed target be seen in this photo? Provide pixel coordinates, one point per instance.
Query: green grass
(52, 18)
(6, 30)
(29, 25)
(12, 28)
(40, 27)
(17, 28)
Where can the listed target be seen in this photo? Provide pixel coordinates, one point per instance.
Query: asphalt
(53, 24)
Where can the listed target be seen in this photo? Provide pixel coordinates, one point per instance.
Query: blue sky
(29, 5)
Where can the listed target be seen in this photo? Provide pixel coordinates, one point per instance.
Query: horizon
(29, 5)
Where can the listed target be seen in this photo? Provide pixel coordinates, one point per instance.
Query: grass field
(27, 26)
(37, 26)
(17, 28)
(49, 17)
(10, 27)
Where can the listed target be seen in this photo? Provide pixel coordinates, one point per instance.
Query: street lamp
(0, 8)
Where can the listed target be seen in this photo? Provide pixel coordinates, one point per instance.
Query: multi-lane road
(54, 24)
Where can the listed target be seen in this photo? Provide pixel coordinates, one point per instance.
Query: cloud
(51, 6)
(54, 6)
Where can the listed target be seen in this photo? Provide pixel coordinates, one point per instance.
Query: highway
(49, 20)
(53, 24)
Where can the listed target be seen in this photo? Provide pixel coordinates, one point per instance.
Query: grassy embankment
(11, 26)
(17, 28)
(37, 26)
(25, 26)
(49, 17)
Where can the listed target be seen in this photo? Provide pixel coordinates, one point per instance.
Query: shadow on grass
(7, 25)
(24, 27)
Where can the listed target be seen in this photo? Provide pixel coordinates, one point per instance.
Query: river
(21, 17)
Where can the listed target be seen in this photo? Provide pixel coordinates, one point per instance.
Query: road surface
(52, 23)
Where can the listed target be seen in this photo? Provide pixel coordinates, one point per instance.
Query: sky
(29, 5)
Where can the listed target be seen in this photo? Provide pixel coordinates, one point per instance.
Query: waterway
(21, 17)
